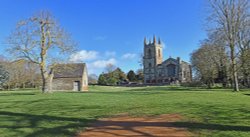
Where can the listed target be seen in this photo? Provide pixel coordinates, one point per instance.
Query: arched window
(149, 53)
(171, 70)
(159, 52)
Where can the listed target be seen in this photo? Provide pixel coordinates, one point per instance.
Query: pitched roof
(169, 59)
(69, 70)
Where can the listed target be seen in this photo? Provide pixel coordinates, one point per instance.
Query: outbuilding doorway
(76, 86)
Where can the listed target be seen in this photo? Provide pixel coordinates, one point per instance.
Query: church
(159, 71)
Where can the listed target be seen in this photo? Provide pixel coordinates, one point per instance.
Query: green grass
(216, 112)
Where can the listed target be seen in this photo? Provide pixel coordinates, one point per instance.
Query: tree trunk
(246, 80)
(209, 84)
(234, 69)
(44, 73)
(236, 83)
(44, 85)
(225, 83)
(45, 82)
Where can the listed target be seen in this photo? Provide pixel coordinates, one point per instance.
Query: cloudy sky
(112, 31)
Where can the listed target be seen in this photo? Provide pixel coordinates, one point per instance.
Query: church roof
(185, 62)
(169, 59)
(71, 70)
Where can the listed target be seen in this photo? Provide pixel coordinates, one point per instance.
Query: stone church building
(159, 71)
(69, 77)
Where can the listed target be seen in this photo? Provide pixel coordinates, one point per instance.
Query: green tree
(131, 76)
(112, 77)
(111, 81)
(139, 75)
(102, 80)
(119, 74)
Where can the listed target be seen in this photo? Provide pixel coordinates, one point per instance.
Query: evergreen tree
(119, 74)
(102, 80)
(131, 76)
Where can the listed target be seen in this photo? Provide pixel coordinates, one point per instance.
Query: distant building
(157, 71)
(69, 77)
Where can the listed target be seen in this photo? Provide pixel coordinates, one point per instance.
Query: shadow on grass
(63, 129)
(139, 128)
(19, 94)
(247, 94)
(193, 125)
(13, 103)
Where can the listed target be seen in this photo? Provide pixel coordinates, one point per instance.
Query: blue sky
(112, 31)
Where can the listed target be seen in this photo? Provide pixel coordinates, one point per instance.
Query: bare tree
(244, 51)
(92, 79)
(110, 68)
(140, 61)
(228, 17)
(208, 62)
(41, 40)
(4, 75)
(21, 74)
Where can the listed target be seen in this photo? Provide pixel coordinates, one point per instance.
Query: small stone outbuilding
(69, 77)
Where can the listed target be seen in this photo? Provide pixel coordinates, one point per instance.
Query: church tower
(151, 58)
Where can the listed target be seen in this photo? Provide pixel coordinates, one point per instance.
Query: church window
(149, 65)
(149, 53)
(159, 52)
(171, 70)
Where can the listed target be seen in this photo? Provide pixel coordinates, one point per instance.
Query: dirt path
(125, 126)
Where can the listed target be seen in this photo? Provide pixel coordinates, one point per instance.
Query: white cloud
(110, 53)
(98, 66)
(129, 56)
(102, 63)
(83, 55)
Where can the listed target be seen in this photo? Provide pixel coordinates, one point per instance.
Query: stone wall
(152, 57)
(66, 84)
(186, 72)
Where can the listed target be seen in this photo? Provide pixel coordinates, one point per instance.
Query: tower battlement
(153, 51)
(154, 43)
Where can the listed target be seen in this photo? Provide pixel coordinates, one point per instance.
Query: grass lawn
(217, 112)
